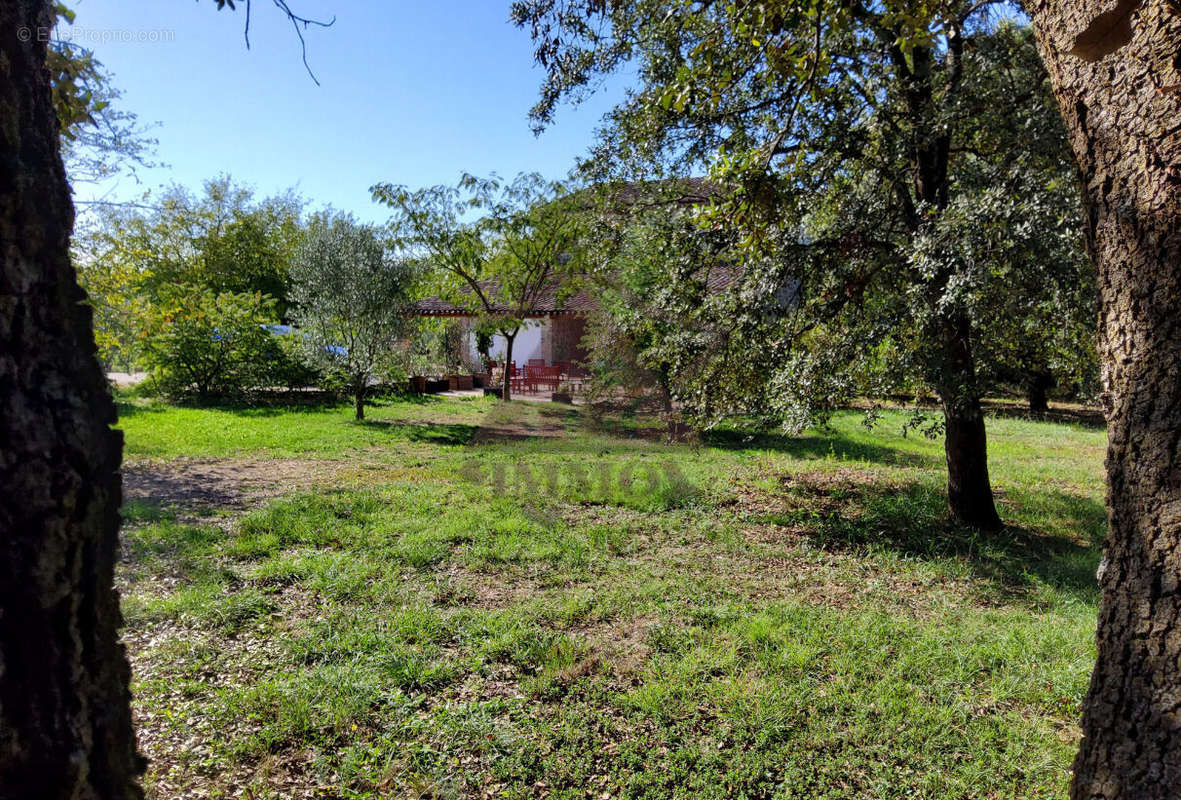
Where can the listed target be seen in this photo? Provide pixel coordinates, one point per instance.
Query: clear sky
(410, 92)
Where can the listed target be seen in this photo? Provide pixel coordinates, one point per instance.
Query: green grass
(154, 429)
(567, 607)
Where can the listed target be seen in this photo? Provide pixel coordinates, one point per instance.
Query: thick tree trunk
(505, 390)
(965, 444)
(1117, 84)
(1038, 392)
(65, 719)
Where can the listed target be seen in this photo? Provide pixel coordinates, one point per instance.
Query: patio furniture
(515, 378)
(540, 376)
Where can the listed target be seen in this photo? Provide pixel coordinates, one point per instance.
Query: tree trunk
(1117, 87)
(65, 718)
(965, 444)
(359, 401)
(505, 391)
(1038, 392)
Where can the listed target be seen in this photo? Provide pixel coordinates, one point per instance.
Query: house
(555, 322)
(553, 330)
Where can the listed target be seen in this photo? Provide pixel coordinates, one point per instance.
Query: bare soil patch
(224, 483)
(506, 427)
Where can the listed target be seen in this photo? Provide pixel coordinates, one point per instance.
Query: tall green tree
(223, 240)
(1113, 69)
(526, 237)
(351, 295)
(843, 128)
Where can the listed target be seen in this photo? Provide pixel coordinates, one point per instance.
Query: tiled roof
(547, 303)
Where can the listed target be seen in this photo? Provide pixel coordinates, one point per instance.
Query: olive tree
(351, 295)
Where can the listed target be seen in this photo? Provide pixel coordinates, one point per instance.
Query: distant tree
(501, 264)
(1035, 313)
(350, 296)
(665, 325)
(223, 239)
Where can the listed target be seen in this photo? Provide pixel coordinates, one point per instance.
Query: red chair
(516, 379)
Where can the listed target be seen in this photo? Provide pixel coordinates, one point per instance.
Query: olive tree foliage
(351, 295)
(850, 135)
(493, 247)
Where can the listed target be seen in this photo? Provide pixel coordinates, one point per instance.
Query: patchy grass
(528, 601)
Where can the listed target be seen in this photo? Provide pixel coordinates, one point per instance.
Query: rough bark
(65, 719)
(1116, 69)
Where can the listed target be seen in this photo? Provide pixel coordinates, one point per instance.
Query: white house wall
(530, 343)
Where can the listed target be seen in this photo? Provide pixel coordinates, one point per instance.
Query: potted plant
(563, 395)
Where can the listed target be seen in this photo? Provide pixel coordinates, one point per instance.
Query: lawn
(461, 598)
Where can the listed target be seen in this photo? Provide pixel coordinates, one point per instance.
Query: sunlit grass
(568, 605)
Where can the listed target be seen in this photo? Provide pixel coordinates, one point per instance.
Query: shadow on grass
(1082, 416)
(815, 445)
(911, 520)
(127, 410)
(430, 432)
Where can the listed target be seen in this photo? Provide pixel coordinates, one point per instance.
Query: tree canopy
(350, 294)
(861, 164)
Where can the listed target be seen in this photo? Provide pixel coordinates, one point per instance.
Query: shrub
(210, 346)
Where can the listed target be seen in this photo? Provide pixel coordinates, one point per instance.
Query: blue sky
(410, 92)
